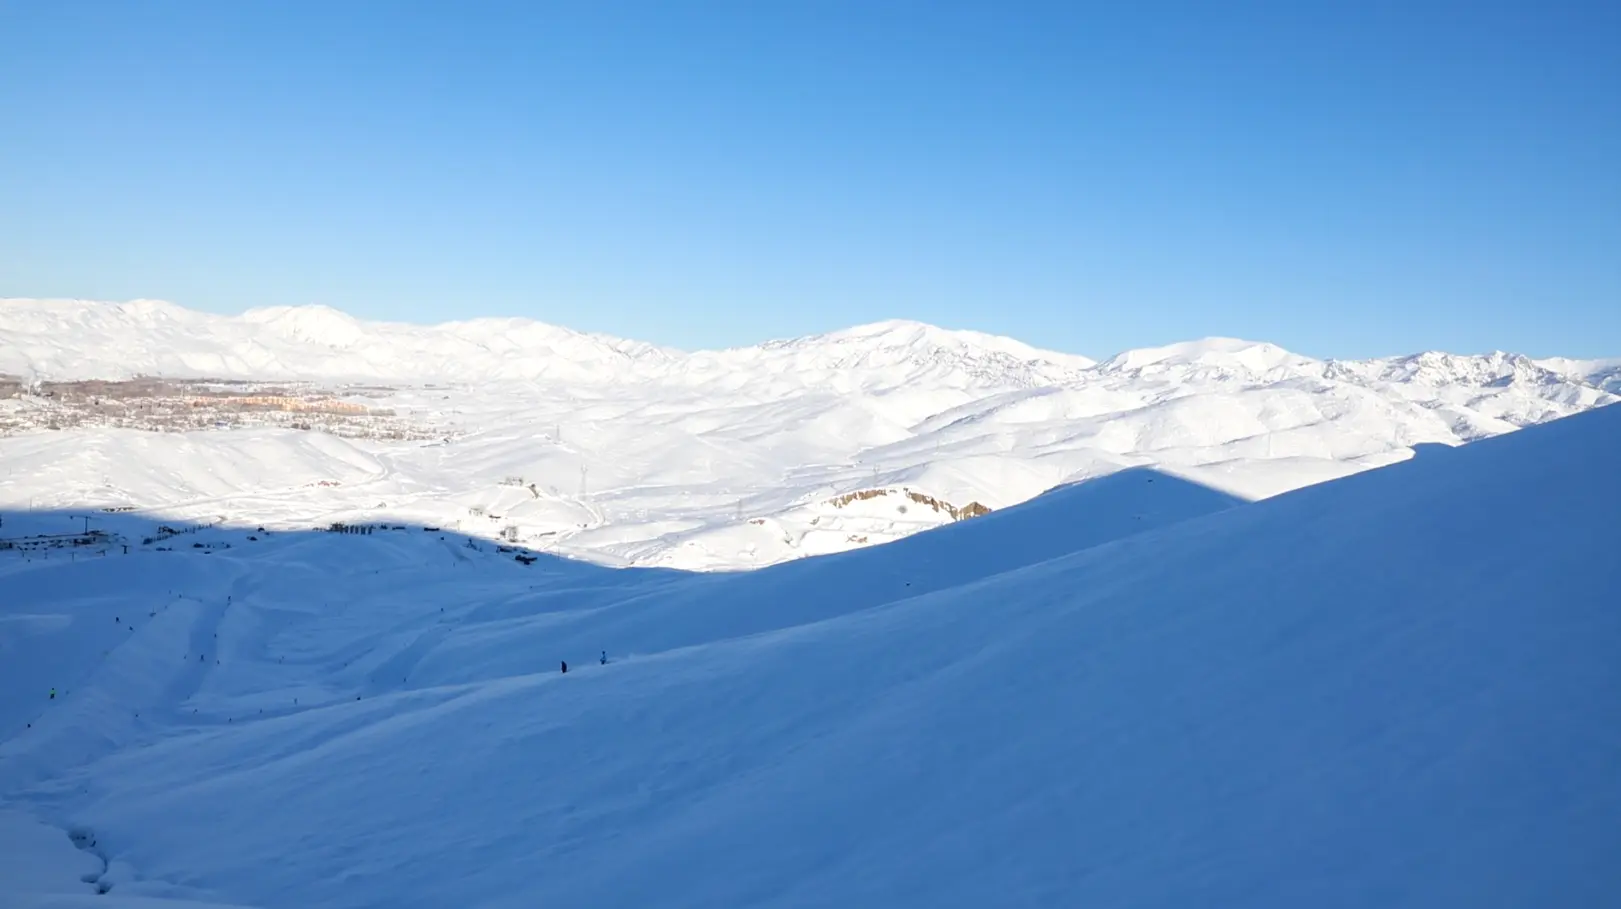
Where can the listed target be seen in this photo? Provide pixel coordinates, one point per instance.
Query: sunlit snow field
(627, 454)
(1162, 671)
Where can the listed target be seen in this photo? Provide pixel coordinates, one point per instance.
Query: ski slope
(1398, 688)
(628, 454)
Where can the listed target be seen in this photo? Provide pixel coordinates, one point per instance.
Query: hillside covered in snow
(1393, 689)
(630, 454)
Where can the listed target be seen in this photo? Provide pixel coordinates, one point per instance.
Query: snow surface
(631, 454)
(1394, 689)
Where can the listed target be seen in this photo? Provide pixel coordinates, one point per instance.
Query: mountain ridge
(31, 345)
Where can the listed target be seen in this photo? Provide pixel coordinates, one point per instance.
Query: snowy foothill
(1396, 688)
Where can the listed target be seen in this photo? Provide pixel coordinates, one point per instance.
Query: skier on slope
(605, 658)
(565, 666)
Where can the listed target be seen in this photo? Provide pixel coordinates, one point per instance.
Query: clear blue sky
(1345, 179)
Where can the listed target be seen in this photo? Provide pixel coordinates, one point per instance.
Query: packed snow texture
(629, 454)
(1394, 689)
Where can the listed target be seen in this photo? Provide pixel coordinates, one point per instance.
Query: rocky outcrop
(971, 510)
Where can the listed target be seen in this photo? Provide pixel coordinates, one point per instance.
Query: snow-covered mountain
(1396, 689)
(1605, 374)
(72, 339)
(922, 354)
(628, 453)
(68, 339)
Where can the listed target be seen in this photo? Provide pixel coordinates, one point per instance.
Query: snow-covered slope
(1393, 689)
(67, 339)
(627, 453)
(1605, 374)
(73, 339)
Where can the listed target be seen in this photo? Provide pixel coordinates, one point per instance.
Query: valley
(624, 453)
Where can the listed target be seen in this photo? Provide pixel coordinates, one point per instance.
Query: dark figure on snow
(605, 658)
(565, 665)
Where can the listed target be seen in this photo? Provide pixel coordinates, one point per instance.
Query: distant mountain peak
(314, 323)
(1213, 357)
(1438, 368)
(902, 353)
